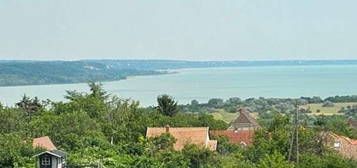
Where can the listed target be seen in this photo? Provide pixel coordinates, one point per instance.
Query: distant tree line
(61, 72)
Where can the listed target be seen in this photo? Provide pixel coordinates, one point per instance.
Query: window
(46, 161)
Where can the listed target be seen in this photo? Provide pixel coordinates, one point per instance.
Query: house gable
(244, 122)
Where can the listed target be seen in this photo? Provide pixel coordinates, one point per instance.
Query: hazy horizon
(139, 59)
(178, 30)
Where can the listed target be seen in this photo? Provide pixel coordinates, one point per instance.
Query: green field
(326, 110)
(223, 115)
(228, 117)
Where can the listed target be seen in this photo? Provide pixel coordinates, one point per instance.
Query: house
(241, 137)
(345, 146)
(241, 130)
(244, 122)
(185, 135)
(51, 157)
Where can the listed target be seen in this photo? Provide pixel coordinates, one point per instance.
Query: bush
(327, 104)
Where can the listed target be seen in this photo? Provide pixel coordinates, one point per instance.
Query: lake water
(205, 83)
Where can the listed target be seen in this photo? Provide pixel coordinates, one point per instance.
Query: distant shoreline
(30, 73)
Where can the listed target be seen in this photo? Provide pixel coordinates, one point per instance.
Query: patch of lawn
(223, 115)
(228, 117)
(317, 109)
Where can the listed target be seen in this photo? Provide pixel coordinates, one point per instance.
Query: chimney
(167, 127)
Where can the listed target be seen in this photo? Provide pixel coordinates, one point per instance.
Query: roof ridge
(244, 114)
(349, 140)
(179, 127)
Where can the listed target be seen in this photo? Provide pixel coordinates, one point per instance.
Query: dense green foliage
(96, 128)
(167, 105)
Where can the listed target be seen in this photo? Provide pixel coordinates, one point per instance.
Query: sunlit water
(205, 83)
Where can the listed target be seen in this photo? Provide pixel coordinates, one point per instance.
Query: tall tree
(97, 90)
(167, 105)
(29, 106)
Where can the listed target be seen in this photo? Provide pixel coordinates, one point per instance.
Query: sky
(178, 29)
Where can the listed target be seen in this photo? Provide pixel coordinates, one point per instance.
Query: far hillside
(15, 73)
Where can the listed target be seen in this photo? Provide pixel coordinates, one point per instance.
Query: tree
(273, 138)
(215, 102)
(155, 145)
(234, 100)
(315, 99)
(15, 152)
(225, 147)
(200, 157)
(194, 103)
(124, 121)
(236, 160)
(349, 111)
(337, 124)
(29, 106)
(95, 103)
(97, 90)
(173, 159)
(167, 105)
(72, 95)
(327, 104)
(11, 120)
(274, 160)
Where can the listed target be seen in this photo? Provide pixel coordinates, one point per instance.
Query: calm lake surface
(205, 83)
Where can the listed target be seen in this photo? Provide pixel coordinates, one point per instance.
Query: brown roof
(185, 135)
(236, 137)
(43, 142)
(244, 118)
(347, 147)
(348, 140)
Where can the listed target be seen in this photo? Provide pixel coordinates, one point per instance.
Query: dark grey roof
(59, 153)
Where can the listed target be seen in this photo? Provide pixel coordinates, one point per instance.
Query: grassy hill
(314, 108)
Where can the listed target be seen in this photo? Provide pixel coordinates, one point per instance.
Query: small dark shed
(51, 159)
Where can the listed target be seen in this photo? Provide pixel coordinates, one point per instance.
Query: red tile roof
(347, 147)
(236, 137)
(185, 135)
(43, 142)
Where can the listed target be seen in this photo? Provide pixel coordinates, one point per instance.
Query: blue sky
(178, 29)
